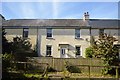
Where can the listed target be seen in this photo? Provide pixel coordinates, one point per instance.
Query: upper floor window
(25, 32)
(101, 31)
(48, 50)
(78, 51)
(77, 33)
(49, 33)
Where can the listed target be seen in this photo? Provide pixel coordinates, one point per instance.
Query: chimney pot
(86, 16)
(87, 13)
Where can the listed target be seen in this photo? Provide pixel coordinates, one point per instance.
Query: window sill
(79, 38)
(79, 56)
(49, 37)
(48, 56)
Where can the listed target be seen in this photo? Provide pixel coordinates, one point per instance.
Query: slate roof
(44, 22)
(104, 23)
(94, 23)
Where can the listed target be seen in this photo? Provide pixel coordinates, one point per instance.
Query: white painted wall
(64, 36)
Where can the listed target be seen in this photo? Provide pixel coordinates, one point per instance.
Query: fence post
(117, 75)
(89, 71)
(53, 63)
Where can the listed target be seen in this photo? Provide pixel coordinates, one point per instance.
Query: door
(63, 52)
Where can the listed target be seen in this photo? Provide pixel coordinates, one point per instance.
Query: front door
(63, 52)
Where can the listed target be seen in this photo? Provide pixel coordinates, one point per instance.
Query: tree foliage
(20, 44)
(21, 48)
(89, 52)
(6, 46)
(104, 48)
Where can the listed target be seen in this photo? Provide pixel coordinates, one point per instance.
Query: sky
(59, 10)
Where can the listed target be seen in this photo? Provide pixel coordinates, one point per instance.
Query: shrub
(50, 69)
(72, 68)
(6, 61)
(89, 52)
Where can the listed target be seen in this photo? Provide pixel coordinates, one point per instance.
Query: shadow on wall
(71, 48)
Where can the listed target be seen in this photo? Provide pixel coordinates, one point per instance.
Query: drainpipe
(38, 45)
(90, 35)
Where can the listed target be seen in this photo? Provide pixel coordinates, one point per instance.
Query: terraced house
(61, 38)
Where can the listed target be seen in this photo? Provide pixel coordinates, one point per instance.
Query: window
(25, 32)
(101, 31)
(49, 33)
(77, 33)
(77, 50)
(48, 50)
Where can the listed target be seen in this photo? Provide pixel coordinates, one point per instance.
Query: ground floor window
(48, 50)
(78, 51)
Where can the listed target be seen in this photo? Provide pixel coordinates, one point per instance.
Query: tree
(104, 48)
(7, 57)
(5, 44)
(21, 44)
(21, 48)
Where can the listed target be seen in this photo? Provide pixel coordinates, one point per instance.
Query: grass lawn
(65, 74)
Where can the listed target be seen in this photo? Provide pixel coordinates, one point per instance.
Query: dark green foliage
(7, 65)
(72, 68)
(104, 48)
(6, 46)
(50, 69)
(6, 61)
(20, 44)
(13, 52)
(89, 52)
(21, 48)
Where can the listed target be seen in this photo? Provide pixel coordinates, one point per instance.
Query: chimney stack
(86, 16)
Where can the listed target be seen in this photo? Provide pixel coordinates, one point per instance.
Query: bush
(6, 61)
(72, 68)
(50, 69)
(89, 52)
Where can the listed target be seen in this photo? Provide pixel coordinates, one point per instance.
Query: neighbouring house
(61, 38)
